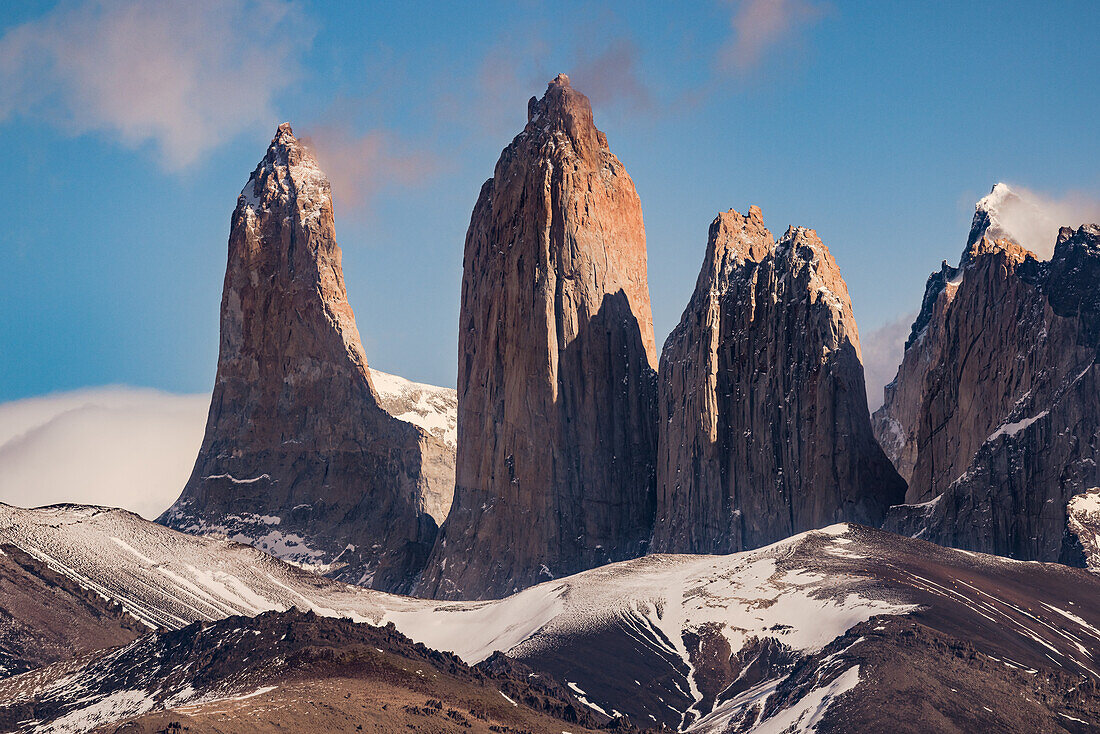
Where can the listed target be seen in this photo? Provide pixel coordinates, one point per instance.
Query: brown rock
(763, 415)
(556, 387)
(299, 459)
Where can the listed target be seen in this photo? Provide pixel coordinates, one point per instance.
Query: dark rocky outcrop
(299, 458)
(763, 414)
(316, 673)
(994, 417)
(556, 386)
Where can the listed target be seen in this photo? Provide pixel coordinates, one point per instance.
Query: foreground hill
(844, 628)
(289, 671)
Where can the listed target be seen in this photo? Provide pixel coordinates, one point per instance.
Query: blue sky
(129, 130)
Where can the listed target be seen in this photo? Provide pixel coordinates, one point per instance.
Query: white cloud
(182, 76)
(115, 446)
(882, 350)
(757, 25)
(1032, 219)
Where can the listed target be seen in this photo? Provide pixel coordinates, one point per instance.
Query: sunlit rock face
(556, 384)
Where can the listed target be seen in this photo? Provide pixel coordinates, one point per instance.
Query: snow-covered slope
(662, 638)
(435, 409)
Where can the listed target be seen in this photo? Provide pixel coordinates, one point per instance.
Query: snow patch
(1011, 429)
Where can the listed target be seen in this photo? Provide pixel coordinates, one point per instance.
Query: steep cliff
(556, 382)
(764, 429)
(995, 413)
(299, 459)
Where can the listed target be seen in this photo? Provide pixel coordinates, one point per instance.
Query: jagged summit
(741, 235)
(287, 172)
(763, 422)
(987, 215)
(563, 109)
(299, 458)
(997, 218)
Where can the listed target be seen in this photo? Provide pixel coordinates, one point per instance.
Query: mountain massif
(994, 417)
(557, 430)
(763, 416)
(299, 456)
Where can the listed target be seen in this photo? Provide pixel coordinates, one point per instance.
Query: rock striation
(994, 417)
(764, 428)
(299, 458)
(556, 383)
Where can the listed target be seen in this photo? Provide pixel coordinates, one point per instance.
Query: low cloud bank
(116, 446)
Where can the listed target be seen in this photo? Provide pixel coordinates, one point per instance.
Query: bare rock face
(299, 459)
(556, 382)
(994, 417)
(764, 430)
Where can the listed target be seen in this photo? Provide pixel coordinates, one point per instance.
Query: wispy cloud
(758, 25)
(1034, 218)
(882, 350)
(183, 77)
(359, 164)
(612, 76)
(494, 101)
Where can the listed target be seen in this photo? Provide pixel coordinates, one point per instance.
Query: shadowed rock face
(556, 382)
(995, 413)
(763, 416)
(298, 458)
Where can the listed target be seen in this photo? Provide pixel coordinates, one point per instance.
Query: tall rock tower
(556, 383)
(763, 415)
(298, 458)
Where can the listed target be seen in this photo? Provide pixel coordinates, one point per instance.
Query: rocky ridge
(994, 417)
(764, 428)
(299, 456)
(284, 665)
(556, 386)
